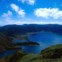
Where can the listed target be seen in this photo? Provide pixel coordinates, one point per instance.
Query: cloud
(48, 12)
(9, 20)
(8, 14)
(18, 10)
(30, 2)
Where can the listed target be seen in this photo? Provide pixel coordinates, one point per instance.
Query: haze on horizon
(30, 12)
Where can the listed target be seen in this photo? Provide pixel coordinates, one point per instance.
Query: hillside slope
(52, 52)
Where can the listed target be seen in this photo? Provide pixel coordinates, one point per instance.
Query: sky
(30, 12)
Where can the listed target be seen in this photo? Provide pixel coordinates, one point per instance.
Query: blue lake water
(45, 39)
(7, 53)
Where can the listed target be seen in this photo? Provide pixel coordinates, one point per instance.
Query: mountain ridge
(27, 28)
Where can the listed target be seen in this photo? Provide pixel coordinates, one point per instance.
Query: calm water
(45, 39)
(7, 53)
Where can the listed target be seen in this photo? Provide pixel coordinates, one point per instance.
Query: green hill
(53, 52)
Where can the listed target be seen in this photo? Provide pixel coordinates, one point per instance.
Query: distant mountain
(27, 28)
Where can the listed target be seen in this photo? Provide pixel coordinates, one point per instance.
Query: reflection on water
(45, 39)
(7, 53)
(32, 49)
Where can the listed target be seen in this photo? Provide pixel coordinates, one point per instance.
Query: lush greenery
(47, 55)
(50, 54)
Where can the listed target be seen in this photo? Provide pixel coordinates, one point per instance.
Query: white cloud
(20, 11)
(48, 12)
(8, 14)
(9, 20)
(15, 7)
(30, 2)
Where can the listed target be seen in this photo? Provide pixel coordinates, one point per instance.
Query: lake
(45, 39)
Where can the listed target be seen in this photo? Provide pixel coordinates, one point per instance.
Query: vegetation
(28, 43)
(53, 52)
(50, 54)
